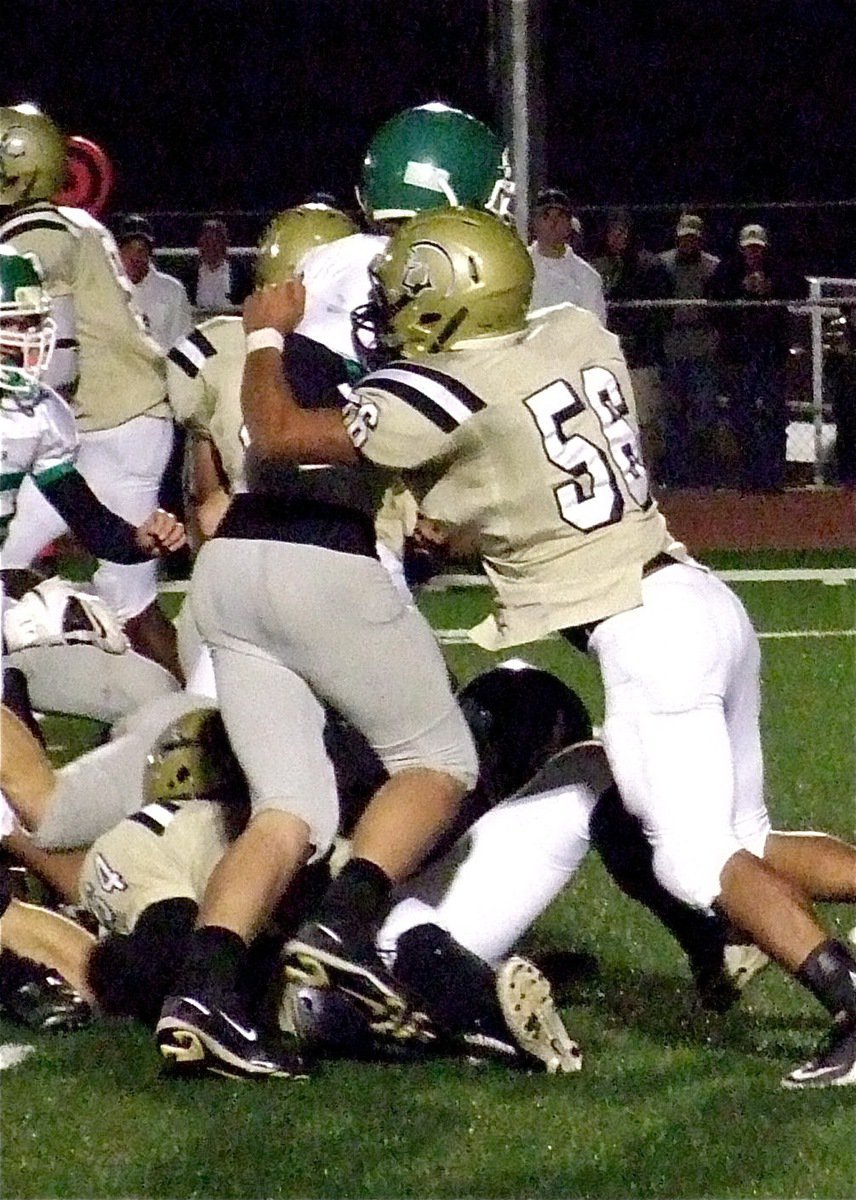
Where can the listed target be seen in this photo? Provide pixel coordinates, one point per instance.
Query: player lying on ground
(146, 875)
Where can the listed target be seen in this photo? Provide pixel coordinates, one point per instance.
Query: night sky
(223, 104)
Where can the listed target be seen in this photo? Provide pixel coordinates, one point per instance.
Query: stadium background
(246, 106)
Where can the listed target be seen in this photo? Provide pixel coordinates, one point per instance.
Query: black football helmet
(519, 716)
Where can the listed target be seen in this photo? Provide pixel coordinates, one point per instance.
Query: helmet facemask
(27, 340)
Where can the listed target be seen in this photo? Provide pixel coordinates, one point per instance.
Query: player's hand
(277, 306)
(161, 533)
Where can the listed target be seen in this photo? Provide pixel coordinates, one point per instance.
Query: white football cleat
(526, 1001)
(743, 962)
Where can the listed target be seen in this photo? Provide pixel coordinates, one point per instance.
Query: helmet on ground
(294, 232)
(27, 330)
(32, 156)
(446, 276)
(192, 760)
(519, 716)
(432, 156)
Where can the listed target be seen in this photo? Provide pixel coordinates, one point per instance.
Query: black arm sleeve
(103, 533)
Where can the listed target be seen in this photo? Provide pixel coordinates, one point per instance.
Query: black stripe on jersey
(183, 362)
(143, 818)
(67, 343)
(423, 404)
(152, 823)
(200, 341)
(459, 390)
(27, 224)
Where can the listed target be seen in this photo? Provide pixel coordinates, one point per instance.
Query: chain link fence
(803, 413)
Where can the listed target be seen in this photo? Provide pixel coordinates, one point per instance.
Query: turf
(670, 1103)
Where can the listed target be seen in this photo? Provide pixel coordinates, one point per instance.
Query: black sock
(358, 895)
(214, 958)
(829, 973)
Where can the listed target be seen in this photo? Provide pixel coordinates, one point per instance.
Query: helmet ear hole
(430, 318)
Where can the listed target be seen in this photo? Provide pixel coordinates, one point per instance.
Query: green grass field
(670, 1103)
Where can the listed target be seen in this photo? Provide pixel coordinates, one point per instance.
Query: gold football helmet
(32, 156)
(294, 232)
(192, 760)
(447, 276)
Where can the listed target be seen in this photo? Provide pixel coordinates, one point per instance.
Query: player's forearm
(101, 531)
(278, 427)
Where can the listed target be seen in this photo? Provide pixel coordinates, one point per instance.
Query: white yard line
(460, 637)
(828, 575)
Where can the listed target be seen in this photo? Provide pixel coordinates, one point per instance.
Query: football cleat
(742, 962)
(322, 957)
(538, 1031)
(196, 1034)
(834, 1064)
(38, 997)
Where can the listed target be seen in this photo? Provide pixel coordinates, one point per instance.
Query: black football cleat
(834, 1064)
(322, 957)
(197, 1034)
(38, 997)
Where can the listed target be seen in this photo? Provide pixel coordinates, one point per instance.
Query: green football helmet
(432, 156)
(293, 233)
(32, 156)
(27, 330)
(192, 760)
(446, 276)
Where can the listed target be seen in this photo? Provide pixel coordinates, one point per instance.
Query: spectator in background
(221, 280)
(690, 368)
(160, 299)
(630, 272)
(560, 274)
(755, 343)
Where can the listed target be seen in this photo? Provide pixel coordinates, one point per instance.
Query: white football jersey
(336, 278)
(39, 440)
(530, 443)
(121, 372)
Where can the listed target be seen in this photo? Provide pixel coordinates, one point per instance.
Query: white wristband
(265, 339)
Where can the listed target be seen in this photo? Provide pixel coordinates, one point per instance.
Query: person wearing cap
(755, 346)
(561, 276)
(631, 272)
(690, 369)
(159, 298)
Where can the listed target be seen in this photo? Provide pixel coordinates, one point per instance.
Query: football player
(524, 431)
(313, 529)
(107, 366)
(54, 632)
(144, 877)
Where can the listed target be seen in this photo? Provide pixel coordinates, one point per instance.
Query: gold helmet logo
(429, 267)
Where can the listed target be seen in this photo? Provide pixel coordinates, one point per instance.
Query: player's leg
(89, 682)
(382, 669)
(124, 467)
(294, 810)
(670, 668)
(821, 866)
